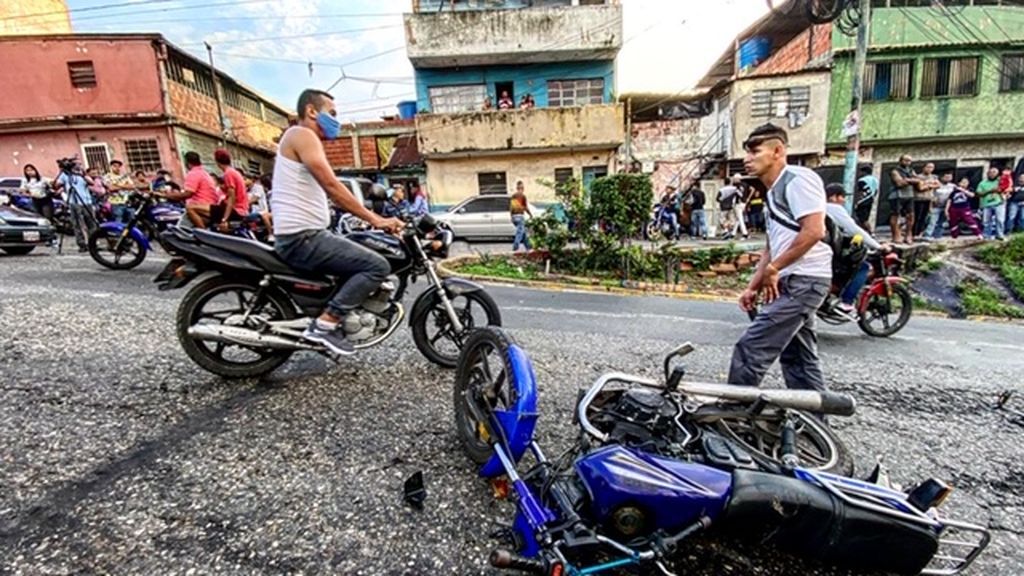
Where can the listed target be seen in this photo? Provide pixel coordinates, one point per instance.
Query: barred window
(463, 98)
(781, 102)
(242, 102)
(888, 81)
(143, 155)
(183, 72)
(255, 167)
(564, 93)
(942, 77)
(1011, 77)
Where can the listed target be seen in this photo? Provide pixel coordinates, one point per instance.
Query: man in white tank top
(795, 272)
(303, 180)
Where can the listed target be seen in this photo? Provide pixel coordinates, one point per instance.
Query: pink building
(134, 97)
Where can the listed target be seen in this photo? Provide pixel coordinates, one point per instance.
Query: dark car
(21, 231)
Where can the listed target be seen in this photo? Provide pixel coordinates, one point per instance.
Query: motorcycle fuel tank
(384, 244)
(668, 493)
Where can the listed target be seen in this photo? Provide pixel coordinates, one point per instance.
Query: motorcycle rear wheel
(214, 356)
(817, 445)
(879, 310)
(482, 386)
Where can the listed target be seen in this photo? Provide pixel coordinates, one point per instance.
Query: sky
(357, 46)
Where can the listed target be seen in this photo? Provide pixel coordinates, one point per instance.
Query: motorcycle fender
(177, 274)
(878, 288)
(118, 228)
(452, 287)
(517, 423)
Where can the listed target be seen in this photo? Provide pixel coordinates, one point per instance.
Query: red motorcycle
(882, 308)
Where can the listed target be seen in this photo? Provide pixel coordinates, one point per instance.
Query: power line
(200, 6)
(85, 9)
(220, 18)
(296, 36)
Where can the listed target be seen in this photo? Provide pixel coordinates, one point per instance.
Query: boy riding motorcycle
(856, 266)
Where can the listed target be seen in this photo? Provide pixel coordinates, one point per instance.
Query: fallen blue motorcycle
(651, 470)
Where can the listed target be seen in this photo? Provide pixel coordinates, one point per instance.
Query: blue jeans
(673, 219)
(854, 286)
(1015, 217)
(320, 252)
(935, 223)
(519, 221)
(994, 218)
(698, 224)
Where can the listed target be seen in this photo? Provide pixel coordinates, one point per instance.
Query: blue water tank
(407, 109)
(753, 51)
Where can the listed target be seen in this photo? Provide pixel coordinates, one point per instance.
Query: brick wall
(368, 151)
(339, 153)
(667, 140)
(812, 45)
(199, 111)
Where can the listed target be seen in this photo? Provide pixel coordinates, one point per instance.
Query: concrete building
(388, 152)
(133, 97)
(34, 17)
(559, 52)
(941, 85)
(778, 71)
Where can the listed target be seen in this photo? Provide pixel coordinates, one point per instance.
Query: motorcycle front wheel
(108, 249)
(884, 316)
(432, 329)
(482, 386)
(817, 446)
(652, 231)
(220, 300)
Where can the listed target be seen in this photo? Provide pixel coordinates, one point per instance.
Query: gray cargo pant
(784, 330)
(321, 252)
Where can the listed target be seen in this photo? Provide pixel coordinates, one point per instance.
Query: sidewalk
(755, 242)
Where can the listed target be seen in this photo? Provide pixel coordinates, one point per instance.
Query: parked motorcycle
(61, 219)
(123, 245)
(246, 312)
(660, 227)
(655, 477)
(882, 309)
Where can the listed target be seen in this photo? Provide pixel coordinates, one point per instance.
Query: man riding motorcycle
(856, 268)
(303, 180)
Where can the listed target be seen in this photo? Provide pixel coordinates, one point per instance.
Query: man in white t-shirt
(794, 274)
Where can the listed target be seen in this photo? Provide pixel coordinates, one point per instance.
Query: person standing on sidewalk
(901, 199)
(739, 208)
(794, 274)
(993, 212)
(958, 210)
(80, 204)
(937, 219)
(519, 208)
(1015, 208)
(698, 217)
(727, 198)
(924, 198)
(864, 199)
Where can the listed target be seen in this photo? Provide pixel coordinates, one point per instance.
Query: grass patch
(501, 268)
(980, 300)
(1008, 258)
(930, 265)
(922, 304)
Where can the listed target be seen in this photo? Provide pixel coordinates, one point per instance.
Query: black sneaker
(333, 340)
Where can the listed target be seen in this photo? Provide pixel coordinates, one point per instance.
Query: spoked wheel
(652, 231)
(482, 385)
(432, 328)
(108, 249)
(817, 446)
(220, 301)
(887, 315)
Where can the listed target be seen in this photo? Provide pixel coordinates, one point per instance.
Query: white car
(482, 218)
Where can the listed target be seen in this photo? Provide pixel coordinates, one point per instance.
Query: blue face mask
(329, 125)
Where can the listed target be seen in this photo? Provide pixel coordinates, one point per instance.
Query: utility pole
(217, 94)
(854, 125)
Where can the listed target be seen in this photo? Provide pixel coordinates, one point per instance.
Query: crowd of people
(741, 210)
(923, 205)
(211, 200)
(506, 102)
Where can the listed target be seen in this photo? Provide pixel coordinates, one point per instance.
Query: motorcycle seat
(256, 252)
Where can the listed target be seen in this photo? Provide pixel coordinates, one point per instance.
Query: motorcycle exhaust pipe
(245, 337)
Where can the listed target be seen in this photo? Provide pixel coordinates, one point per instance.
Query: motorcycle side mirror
(679, 352)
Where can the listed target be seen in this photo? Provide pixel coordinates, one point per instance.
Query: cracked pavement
(121, 456)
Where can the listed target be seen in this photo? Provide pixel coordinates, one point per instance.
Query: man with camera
(80, 202)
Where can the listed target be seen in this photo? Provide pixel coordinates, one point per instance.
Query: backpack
(841, 243)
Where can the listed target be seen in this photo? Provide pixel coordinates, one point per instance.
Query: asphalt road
(119, 456)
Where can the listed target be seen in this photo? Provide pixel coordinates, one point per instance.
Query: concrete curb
(550, 286)
(584, 285)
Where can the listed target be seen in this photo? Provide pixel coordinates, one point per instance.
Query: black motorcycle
(246, 314)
